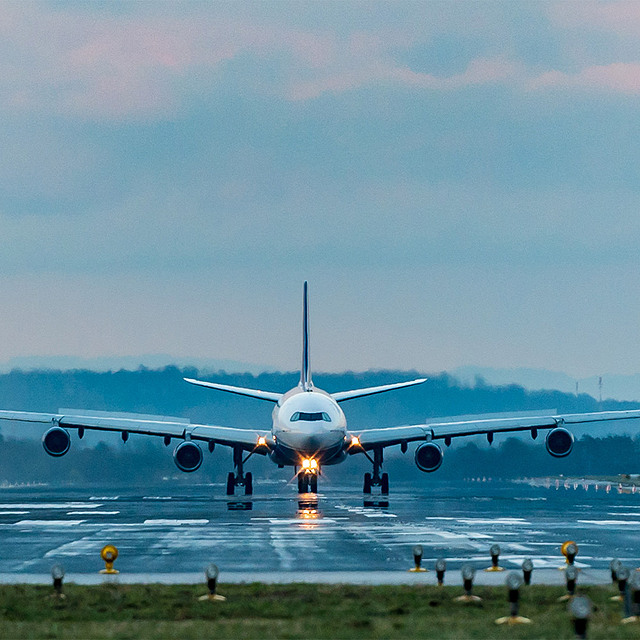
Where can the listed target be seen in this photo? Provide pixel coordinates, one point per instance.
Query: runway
(171, 530)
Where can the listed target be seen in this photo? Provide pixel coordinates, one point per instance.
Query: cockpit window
(310, 417)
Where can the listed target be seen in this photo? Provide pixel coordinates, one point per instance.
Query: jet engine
(187, 456)
(428, 457)
(56, 441)
(559, 442)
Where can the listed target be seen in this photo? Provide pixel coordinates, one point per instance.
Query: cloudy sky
(459, 182)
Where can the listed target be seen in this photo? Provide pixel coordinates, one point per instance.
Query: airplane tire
(231, 483)
(384, 483)
(313, 484)
(302, 483)
(248, 484)
(367, 483)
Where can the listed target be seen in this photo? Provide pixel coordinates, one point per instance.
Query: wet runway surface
(169, 529)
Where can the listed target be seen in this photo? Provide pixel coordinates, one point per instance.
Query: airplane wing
(247, 439)
(341, 396)
(241, 391)
(371, 438)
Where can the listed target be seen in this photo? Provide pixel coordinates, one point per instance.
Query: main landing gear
(239, 478)
(376, 479)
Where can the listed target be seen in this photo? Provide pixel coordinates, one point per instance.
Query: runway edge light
(527, 570)
(614, 565)
(109, 554)
(632, 599)
(417, 559)
(57, 574)
(495, 556)
(514, 582)
(441, 567)
(622, 575)
(569, 551)
(468, 574)
(212, 572)
(571, 577)
(580, 609)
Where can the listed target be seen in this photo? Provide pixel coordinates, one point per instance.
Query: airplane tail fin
(305, 371)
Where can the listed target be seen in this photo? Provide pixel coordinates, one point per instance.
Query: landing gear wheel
(248, 484)
(384, 483)
(231, 483)
(367, 483)
(313, 484)
(302, 483)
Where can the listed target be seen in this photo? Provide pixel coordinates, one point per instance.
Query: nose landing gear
(308, 476)
(376, 479)
(307, 482)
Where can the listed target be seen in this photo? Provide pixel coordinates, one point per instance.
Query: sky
(459, 182)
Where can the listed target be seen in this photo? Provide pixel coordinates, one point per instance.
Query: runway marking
(608, 523)
(91, 513)
(50, 505)
(48, 523)
(174, 522)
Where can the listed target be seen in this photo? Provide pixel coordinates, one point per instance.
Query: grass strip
(294, 611)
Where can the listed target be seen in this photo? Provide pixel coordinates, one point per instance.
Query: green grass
(293, 611)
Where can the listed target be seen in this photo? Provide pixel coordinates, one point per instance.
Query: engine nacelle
(559, 442)
(56, 441)
(428, 457)
(187, 456)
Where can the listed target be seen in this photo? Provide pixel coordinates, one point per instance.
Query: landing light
(309, 464)
(262, 441)
(355, 441)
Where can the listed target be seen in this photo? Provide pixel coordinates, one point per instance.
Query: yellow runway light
(109, 554)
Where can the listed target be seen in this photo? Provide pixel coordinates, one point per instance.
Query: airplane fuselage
(308, 425)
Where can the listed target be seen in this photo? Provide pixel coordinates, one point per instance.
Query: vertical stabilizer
(305, 371)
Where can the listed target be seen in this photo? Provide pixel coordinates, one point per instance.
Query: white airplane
(309, 430)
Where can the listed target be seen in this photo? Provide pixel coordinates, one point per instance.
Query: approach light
(441, 567)
(580, 609)
(495, 555)
(632, 604)
(527, 570)
(468, 574)
(571, 577)
(211, 573)
(417, 559)
(514, 582)
(109, 554)
(57, 574)
(622, 575)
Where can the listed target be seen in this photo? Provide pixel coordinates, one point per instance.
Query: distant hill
(614, 386)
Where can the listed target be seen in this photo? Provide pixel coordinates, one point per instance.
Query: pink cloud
(618, 17)
(617, 77)
(479, 72)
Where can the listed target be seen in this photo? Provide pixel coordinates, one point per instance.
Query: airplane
(309, 430)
